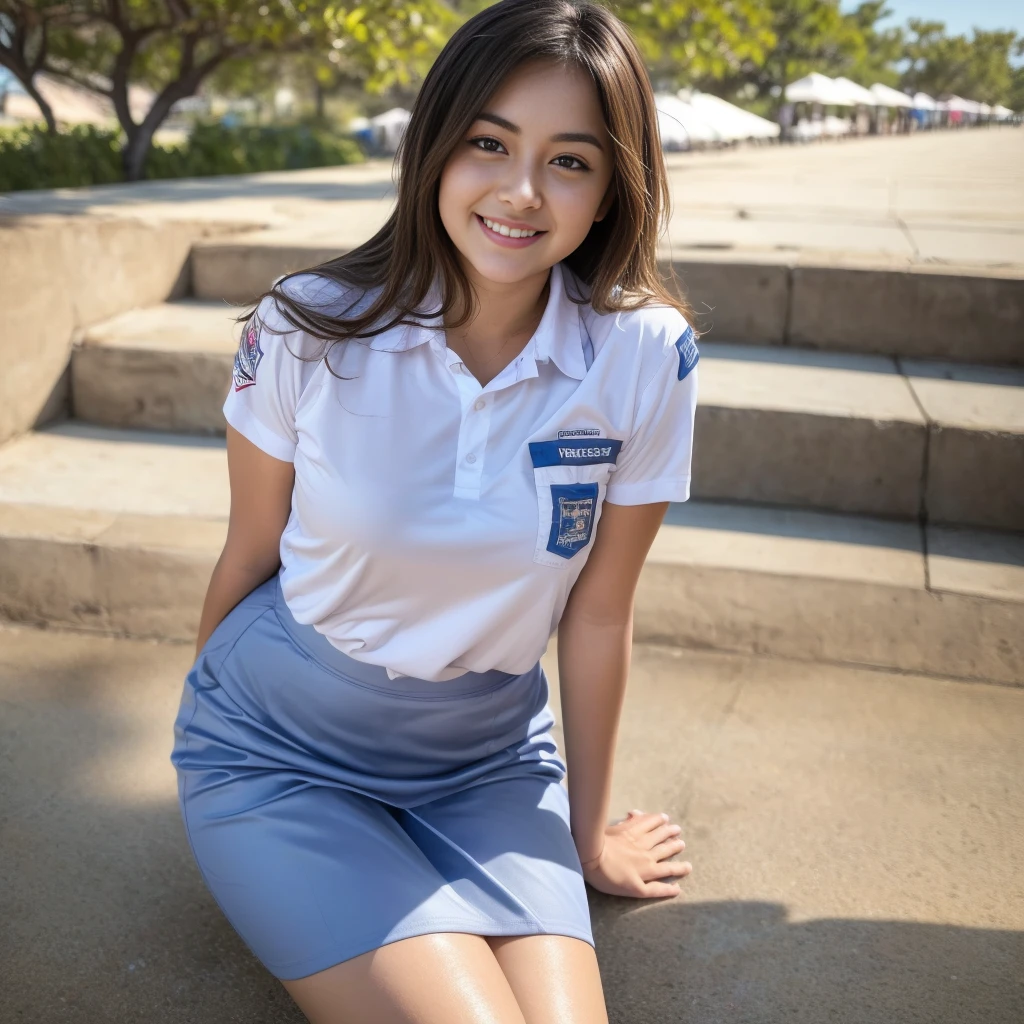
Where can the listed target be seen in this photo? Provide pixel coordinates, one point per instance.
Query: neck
(506, 319)
(504, 310)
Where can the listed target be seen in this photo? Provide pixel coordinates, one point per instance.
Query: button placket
(474, 429)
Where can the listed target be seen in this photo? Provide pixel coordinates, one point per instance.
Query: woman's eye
(582, 165)
(481, 143)
(484, 138)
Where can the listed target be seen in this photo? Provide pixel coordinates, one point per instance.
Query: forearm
(593, 664)
(232, 579)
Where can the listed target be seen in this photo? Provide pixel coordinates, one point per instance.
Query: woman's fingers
(641, 821)
(659, 835)
(669, 869)
(669, 848)
(661, 889)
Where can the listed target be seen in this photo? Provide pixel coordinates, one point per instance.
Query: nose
(519, 187)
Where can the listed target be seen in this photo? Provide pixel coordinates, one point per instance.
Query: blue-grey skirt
(332, 810)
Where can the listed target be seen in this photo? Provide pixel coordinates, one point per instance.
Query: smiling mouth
(505, 232)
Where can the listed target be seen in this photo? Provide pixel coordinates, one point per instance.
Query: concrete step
(876, 305)
(118, 531)
(165, 367)
(848, 433)
(864, 434)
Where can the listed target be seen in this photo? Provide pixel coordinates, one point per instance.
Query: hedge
(31, 157)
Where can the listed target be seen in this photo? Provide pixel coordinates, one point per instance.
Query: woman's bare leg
(440, 978)
(555, 978)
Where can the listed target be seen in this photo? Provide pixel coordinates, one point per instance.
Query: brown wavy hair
(617, 261)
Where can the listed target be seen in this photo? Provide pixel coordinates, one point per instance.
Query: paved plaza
(954, 198)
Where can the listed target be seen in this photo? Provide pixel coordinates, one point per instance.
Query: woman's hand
(635, 855)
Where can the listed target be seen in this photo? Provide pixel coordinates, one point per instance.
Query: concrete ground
(953, 197)
(855, 835)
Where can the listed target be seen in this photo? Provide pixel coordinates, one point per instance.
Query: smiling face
(537, 157)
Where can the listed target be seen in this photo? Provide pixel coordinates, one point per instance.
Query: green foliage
(755, 48)
(34, 158)
(811, 35)
(174, 46)
(883, 49)
(977, 68)
(85, 155)
(687, 41)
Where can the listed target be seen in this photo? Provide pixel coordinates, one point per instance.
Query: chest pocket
(571, 477)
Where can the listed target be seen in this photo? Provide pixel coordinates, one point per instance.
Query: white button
(471, 458)
(479, 404)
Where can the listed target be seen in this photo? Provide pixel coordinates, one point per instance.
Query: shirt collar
(558, 337)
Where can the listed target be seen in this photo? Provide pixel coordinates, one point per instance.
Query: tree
(175, 45)
(882, 48)
(978, 68)
(919, 42)
(690, 41)
(808, 35)
(1015, 99)
(24, 38)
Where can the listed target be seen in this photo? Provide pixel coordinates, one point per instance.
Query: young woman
(441, 447)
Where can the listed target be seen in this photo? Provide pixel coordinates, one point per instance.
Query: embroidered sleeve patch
(688, 354)
(247, 359)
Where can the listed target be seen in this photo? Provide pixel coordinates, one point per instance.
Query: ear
(607, 200)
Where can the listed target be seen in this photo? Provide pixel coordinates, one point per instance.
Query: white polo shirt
(437, 526)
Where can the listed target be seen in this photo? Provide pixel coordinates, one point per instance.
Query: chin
(503, 271)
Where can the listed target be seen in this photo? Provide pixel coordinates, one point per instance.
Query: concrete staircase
(848, 506)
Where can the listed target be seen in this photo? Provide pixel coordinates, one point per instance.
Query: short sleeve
(654, 464)
(270, 371)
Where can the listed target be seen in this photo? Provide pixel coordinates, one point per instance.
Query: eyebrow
(501, 122)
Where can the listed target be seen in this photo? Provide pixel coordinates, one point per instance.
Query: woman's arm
(594, 642)
(261, 498)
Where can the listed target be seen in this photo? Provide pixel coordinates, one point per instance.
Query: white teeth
(508, 232)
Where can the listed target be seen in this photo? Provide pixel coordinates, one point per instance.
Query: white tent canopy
(962, 105)
(671, 132)
(679, 121)
(816, 88)
(857, 93)
(732, 123)
(888, 97)
(922, 101)
(1001, 112)
(390, 126)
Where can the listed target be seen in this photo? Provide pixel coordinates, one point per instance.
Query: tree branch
(63, 71)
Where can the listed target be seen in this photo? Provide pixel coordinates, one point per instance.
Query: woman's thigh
(438, 978)
(554, 978)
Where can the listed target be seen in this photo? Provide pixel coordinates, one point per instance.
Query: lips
(512, 227)
(507, 241)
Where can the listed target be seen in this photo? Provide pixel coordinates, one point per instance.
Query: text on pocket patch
(572, 517)
(574, 451)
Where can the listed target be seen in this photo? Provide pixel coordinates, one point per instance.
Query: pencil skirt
(332, 810)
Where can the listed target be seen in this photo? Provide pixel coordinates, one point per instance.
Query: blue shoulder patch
(688, 354)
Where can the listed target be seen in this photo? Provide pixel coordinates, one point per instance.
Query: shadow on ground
(103, 917)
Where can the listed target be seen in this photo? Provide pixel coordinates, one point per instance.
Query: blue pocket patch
(688, 354)
(572, 517)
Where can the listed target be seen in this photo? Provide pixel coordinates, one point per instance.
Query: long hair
(617, 261)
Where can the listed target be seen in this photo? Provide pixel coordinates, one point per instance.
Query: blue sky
(960, 16)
